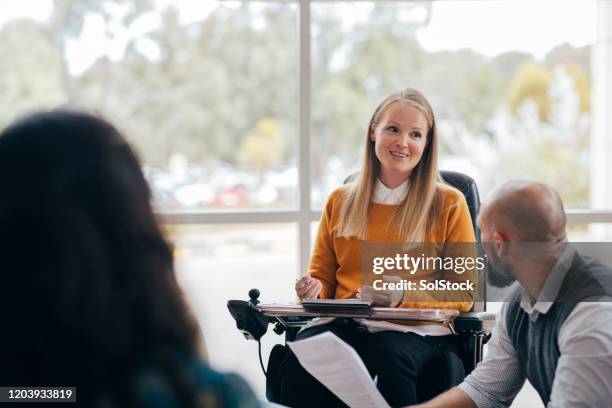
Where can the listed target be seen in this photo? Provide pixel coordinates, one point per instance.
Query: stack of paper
(338, 367)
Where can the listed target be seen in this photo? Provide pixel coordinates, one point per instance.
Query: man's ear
(501, 243)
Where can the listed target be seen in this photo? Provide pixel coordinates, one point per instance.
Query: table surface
(375, 313)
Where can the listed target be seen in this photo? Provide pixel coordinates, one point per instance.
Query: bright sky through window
(488, 27)
(493, 27)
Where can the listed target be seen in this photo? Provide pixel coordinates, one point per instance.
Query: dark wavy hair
(87, 284)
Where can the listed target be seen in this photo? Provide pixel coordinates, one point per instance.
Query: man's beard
(499, 274)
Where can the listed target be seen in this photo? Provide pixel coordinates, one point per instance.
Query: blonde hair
(419, 208)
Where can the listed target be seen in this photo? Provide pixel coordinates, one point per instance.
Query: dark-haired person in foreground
(555, 329)
(88, 292)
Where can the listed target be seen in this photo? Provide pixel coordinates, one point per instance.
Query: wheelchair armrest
(475, 322)
(253, 323)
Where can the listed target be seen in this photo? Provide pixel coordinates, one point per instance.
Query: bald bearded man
(555, 328)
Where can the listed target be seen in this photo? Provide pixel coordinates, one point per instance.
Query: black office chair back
(467, 186)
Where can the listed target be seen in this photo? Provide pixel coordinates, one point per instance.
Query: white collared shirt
(551, 286)
(390, 196)
(583, 377)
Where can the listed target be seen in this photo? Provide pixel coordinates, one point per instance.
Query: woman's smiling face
(400, 137)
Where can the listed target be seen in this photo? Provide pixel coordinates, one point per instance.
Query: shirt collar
(386, 195)
(551, 287)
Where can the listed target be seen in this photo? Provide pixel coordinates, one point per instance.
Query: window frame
(305, 214)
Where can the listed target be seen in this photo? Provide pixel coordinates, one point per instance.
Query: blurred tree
(532, 82)
(203, 87)
(353, 73)
(30, 71)
(582, 85)
(212, 82)
(478, 98)
(508, 63)
(568, 54)
(561, 165)
(67, 20)
(336, 102)
(263, 147)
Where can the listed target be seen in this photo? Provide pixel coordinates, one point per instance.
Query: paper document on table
(338, 367)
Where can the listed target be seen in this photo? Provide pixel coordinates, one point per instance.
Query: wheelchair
(473, 329)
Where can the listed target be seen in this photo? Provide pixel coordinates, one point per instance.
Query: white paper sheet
(338, 366)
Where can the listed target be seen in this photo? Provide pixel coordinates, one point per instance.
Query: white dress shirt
(583, 377)
(389, 196)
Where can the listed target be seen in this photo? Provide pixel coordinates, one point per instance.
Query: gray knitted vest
(536, 343)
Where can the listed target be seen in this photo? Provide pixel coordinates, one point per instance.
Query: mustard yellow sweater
(336, 261)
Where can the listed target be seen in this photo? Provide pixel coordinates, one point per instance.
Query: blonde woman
(396, 198)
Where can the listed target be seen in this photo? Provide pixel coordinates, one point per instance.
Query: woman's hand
(382, 298)
(308, 287)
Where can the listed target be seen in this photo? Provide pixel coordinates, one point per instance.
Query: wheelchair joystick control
(254, 296)
(249, 320)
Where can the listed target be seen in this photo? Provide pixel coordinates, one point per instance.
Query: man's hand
(308, 287)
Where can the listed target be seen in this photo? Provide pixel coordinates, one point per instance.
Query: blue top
(212, 389)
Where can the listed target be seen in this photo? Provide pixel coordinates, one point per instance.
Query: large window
(247, 114)
(224, 261)
(206, 91)
(512, 99)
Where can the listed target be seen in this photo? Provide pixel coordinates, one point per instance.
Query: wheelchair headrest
(467, 186)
